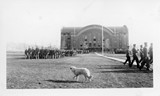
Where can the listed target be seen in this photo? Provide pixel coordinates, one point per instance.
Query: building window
(94, 44)
(94, 38)
(67, 34)
(90, 44)
(85, 38)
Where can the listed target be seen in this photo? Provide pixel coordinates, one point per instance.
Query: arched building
(90, 37)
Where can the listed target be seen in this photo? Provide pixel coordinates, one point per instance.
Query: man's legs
(132, 62)
(147, 64)
(137, 61)
(129, 60)
(126, 61)
(142, 64)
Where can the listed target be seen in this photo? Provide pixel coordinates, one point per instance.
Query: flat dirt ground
(55, 73)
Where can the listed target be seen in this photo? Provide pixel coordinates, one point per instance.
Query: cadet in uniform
(29, 53)
(145, 59)
(134, 52)
(127, 56)
(141, 53)
(151, 53)
(37, 51)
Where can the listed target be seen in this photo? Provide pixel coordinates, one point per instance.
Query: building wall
(91, 37)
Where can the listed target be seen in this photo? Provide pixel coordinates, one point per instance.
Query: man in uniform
(145, 59)
(141, 53)
(151, 53)
(37, 51)
(26, 53)
(41, 53)
(134, 52)
(128, 57)
(33, 53)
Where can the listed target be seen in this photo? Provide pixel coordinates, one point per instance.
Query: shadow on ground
(62, 81)
(127, 71)
(121, 69)
(116, 67)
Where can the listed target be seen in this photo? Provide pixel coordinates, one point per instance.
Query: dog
(81, 71)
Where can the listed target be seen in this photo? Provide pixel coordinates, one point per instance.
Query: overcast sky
(40, 21)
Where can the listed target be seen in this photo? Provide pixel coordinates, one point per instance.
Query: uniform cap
(145, 43)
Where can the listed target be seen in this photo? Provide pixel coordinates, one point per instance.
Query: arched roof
(105, 29)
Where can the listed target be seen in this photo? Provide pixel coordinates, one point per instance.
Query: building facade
(90, 37)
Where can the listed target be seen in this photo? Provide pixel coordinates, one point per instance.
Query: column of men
(146, 56)
(45, 53)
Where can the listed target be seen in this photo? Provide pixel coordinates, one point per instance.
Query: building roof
(77, 29)
(70, 29)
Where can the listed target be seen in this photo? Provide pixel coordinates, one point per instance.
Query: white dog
(81, 71)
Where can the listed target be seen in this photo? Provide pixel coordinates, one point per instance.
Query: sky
(39, 22)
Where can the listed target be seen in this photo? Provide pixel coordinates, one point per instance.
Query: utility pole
(102, 40)
(74, 40)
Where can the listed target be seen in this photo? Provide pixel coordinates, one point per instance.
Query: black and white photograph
(79, 47)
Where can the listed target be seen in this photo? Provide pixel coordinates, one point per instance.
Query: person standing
(37, 51)
(134, 52)
(151, 53)
(145, 59)
(127, 56)
(141, 53)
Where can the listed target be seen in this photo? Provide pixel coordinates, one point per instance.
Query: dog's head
(72, 68)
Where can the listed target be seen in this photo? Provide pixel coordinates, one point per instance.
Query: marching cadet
(41, 53)
(151, 53)
(29, 53)
(37, 51)
(127, 56)
(45, 53)
(141, 53)
(134, 52)
(145, 59)
(56, 53)
(26, 53)
(51, 53)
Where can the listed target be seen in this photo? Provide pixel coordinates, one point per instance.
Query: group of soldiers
(47, 53)
(146, 56)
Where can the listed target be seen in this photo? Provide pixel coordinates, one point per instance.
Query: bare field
(55, 73)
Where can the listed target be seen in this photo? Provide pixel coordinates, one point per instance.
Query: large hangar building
(90, 38)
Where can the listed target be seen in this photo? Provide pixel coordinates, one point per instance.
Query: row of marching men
(146, 56)
(47, 53)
